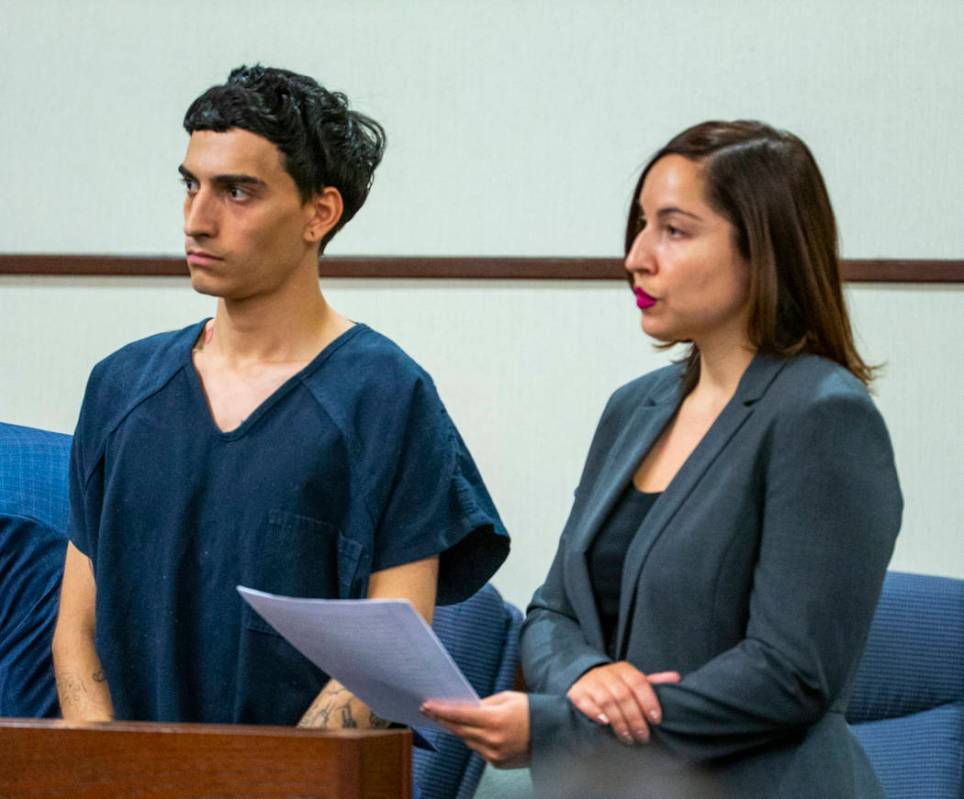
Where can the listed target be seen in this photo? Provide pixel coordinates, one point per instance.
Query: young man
(279, 445)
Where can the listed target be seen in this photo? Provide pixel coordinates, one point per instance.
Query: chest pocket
(302, 557)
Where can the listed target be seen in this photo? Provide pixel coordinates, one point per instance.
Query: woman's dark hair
(767, 184)
(324, 143)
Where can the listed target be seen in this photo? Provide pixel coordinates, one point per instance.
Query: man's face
(244, 222)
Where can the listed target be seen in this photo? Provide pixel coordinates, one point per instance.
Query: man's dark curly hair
(323, 141)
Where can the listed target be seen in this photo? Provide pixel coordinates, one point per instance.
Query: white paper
(379, 649)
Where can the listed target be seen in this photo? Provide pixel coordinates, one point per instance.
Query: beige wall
(525, 369)
(515, 128)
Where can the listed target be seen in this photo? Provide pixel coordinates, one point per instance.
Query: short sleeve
(85, 485)
(437, 504)
(79, 531)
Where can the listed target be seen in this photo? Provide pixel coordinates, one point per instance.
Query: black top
(605, 556)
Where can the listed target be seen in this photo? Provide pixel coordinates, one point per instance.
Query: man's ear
(324, 211)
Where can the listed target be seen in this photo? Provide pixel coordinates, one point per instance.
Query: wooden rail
(43, 759)
(878, 270)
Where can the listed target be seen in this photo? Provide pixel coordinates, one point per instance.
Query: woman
(716, 579)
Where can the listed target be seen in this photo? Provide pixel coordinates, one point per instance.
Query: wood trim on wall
(876, 270)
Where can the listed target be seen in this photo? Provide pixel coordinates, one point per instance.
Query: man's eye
(190, 185)
(640, 225)
(237, 193)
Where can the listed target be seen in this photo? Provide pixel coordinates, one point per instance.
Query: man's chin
(205, 287)
(221, 290)
(204, 282)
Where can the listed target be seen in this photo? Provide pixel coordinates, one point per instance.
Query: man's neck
(290, 325)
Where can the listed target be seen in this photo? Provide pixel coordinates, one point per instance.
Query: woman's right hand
(620, 695)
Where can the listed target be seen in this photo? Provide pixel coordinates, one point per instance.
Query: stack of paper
(379, 649)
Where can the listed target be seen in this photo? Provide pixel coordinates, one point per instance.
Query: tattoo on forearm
(99, 676)
(70, 688)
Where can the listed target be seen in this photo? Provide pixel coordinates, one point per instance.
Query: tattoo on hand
(347, 719)
(327, 709)
(317, 717)
(376, 722)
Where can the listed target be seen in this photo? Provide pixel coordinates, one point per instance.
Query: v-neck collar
(204, 406)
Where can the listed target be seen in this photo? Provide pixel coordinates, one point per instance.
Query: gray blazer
(756, 578)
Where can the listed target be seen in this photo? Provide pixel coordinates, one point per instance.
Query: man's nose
(200, 218)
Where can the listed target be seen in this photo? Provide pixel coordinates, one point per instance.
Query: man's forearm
(336, 708)
(82, 687)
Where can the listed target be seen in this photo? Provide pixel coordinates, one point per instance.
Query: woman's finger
(455, 712)
(597, 694)
(611, 697)
(630, 708)
(623, 696)
(663, 677)
(588, 707)
(644, 697)
(467, 734)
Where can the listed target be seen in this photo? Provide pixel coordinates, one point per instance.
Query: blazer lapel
(641, 430)
(757, 377)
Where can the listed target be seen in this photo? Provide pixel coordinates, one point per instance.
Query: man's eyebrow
(238, 179)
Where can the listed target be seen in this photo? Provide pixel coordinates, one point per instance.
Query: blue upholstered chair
(482, 636)
(33, 523)
(907, 707)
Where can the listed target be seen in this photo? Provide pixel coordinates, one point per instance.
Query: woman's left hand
(497, 728)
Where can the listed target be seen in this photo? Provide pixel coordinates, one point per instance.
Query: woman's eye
(674, 231)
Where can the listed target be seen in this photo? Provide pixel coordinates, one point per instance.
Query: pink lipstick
(643, 300)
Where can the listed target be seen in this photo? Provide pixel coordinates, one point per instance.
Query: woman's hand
(497, 728)
(620, 695)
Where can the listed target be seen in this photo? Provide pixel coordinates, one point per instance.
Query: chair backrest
(33, 537)
(907, 708)
(481, 634)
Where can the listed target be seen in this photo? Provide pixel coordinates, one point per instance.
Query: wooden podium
(41, 759)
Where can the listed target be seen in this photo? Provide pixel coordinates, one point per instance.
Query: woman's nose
(640, 256)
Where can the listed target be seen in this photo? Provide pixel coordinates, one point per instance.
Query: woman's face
(691, 282)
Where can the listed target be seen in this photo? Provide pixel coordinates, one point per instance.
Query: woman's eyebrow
(672, 209)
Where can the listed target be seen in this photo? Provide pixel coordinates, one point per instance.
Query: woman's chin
(655, 330)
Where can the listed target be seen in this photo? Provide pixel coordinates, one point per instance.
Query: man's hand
(620, 695)
(497, 728)
(336, 708)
